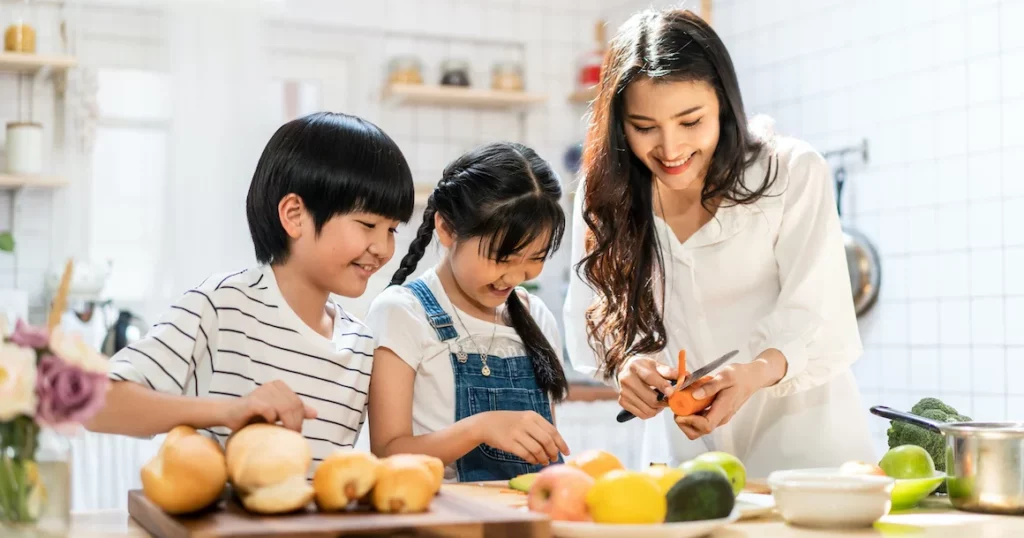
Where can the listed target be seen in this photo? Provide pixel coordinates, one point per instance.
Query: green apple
(732, 466)
(907, 461)
(695, 465)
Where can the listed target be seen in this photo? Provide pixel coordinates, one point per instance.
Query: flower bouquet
(49, 382)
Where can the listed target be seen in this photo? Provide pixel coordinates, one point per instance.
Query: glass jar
(35, 480)
(20, 36)
(507, 76)
(405, 69)
(455, 73)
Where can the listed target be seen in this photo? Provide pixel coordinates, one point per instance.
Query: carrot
(682, 402)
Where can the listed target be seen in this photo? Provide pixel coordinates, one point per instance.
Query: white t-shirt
(234, 333)
(399, 323)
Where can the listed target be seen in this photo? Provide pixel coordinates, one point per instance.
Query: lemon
(629, 497)
(665, 476)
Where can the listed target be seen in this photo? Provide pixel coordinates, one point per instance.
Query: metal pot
(984, 461)
(862, 259)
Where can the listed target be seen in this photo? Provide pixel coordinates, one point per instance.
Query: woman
(696, 230)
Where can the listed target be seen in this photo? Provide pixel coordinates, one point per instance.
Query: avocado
(522, 482)
(700, 495)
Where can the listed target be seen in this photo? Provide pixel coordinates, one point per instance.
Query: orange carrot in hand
(682, 402)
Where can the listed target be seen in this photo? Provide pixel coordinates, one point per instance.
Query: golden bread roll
(267, 465)
(405, 485)
(434, 465)
(187, 474)
(344, 477)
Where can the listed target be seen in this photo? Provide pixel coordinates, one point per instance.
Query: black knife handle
(625, 416)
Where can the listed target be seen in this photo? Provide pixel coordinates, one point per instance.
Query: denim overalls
(511, 386)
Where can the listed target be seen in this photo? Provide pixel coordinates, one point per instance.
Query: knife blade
(624, 415)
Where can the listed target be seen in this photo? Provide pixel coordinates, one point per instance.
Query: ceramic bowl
(824, 498)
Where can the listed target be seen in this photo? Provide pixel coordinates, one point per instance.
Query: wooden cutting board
(456, 513)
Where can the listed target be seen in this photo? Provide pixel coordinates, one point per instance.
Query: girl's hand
(636, 380)
(525, 434)
(272, 402)
(731, 388)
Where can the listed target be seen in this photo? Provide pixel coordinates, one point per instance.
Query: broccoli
(901, 433)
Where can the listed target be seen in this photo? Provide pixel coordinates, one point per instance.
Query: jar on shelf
(20, 36)
(507, 76)
(455, 72)
(405, 69)
(24, 148)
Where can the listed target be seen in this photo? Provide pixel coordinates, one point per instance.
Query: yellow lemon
(629, 497)
(665, 476)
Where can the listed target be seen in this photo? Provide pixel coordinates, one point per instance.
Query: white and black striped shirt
(234, 333)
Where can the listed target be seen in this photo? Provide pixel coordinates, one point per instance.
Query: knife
(624, 415)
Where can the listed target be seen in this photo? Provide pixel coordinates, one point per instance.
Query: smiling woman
(699, 230)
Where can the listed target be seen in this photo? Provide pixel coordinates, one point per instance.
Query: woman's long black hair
(623, 262)
(503, 192)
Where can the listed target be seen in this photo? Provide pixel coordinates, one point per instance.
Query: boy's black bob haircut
(337, 164)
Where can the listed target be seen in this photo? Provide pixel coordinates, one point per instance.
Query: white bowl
(824, 498)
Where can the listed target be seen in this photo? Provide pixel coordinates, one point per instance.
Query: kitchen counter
(934, 519)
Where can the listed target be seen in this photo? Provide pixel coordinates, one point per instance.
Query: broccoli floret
(901, 433)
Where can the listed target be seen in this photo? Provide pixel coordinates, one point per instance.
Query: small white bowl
(824, 498)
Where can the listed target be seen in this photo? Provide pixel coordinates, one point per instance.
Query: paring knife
(624, 415)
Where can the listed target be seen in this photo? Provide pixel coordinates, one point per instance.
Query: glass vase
(35, 480)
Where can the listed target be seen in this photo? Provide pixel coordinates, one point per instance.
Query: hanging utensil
(984, 463)
(862, 258)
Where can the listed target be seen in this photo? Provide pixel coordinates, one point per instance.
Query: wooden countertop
(934, 519)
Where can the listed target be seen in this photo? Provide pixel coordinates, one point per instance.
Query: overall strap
(436, 316)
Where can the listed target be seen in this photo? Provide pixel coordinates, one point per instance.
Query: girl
(467, 365)
(698, 231)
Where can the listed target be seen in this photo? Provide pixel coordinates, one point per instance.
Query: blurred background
(133, 128)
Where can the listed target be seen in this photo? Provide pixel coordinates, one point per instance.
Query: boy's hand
(273, 402)
(525, 434)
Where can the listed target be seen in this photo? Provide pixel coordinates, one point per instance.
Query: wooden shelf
(418, 94)
(16, 62)
(9, 181)
(584, 96)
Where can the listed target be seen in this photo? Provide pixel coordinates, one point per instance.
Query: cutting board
(458, 514)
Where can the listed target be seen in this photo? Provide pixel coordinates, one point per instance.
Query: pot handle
(910, 418)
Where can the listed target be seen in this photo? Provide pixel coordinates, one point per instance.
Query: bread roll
(344, 477)
(187, 474)
(267, 465)
(405, 485)
(434, 465)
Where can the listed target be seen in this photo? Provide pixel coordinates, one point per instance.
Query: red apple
(560, 491)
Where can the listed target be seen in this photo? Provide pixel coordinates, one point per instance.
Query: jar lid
(23, 124)
(455, 63)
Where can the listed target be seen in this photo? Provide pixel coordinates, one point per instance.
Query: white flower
(71, 349)
(17, 381)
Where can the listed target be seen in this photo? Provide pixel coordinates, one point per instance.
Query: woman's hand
(636, 380)
(731, 387)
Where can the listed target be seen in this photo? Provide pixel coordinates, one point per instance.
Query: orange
(596, 463)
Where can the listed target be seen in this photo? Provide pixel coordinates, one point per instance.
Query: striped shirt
(234, 333)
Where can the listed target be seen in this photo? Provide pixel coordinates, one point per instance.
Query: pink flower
(68, 395)
(26, 335)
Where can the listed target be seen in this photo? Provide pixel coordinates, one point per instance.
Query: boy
(267, 343)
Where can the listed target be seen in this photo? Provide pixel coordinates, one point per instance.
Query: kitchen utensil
(984, 461)
(128, 329)
(60, 301)
(862, 258)
(826, 498)
(450, 514)
(624, 415)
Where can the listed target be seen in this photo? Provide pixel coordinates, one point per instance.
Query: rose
(17, 381)
(72, 350)
(68, 394)
(26, 335)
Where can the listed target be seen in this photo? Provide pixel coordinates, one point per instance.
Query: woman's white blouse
(772, 274)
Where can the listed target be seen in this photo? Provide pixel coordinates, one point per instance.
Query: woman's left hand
(731, 387)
